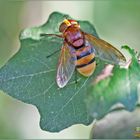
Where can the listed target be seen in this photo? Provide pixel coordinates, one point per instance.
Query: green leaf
(121, 87)
(30, 77)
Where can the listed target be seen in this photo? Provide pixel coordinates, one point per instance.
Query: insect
(79, 51)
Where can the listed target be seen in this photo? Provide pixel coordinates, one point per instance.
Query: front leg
(76, 76)
(44, 34)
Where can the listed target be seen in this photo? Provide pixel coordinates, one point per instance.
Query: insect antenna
(66, 16)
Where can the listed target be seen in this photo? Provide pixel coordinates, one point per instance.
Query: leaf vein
(28, 75)
(60, 110)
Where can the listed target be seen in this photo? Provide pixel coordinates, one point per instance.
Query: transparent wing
(66, 65)
(104, 50)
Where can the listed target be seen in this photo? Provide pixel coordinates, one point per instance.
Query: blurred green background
(116, 21)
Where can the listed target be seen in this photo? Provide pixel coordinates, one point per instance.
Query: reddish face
(72, 33)
(74, 36)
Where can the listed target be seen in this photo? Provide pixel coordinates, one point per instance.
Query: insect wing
(105, 51)
(66, 65)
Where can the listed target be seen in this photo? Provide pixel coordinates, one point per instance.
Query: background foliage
(116, 21)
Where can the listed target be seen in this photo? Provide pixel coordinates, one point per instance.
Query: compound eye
(62, 27)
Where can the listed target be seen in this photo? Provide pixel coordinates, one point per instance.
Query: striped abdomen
(85, 63)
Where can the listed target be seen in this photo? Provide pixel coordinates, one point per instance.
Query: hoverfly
(79, 51)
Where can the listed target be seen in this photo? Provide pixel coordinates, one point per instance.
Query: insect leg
(76, 76)
(53, 53)
(43, 34)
